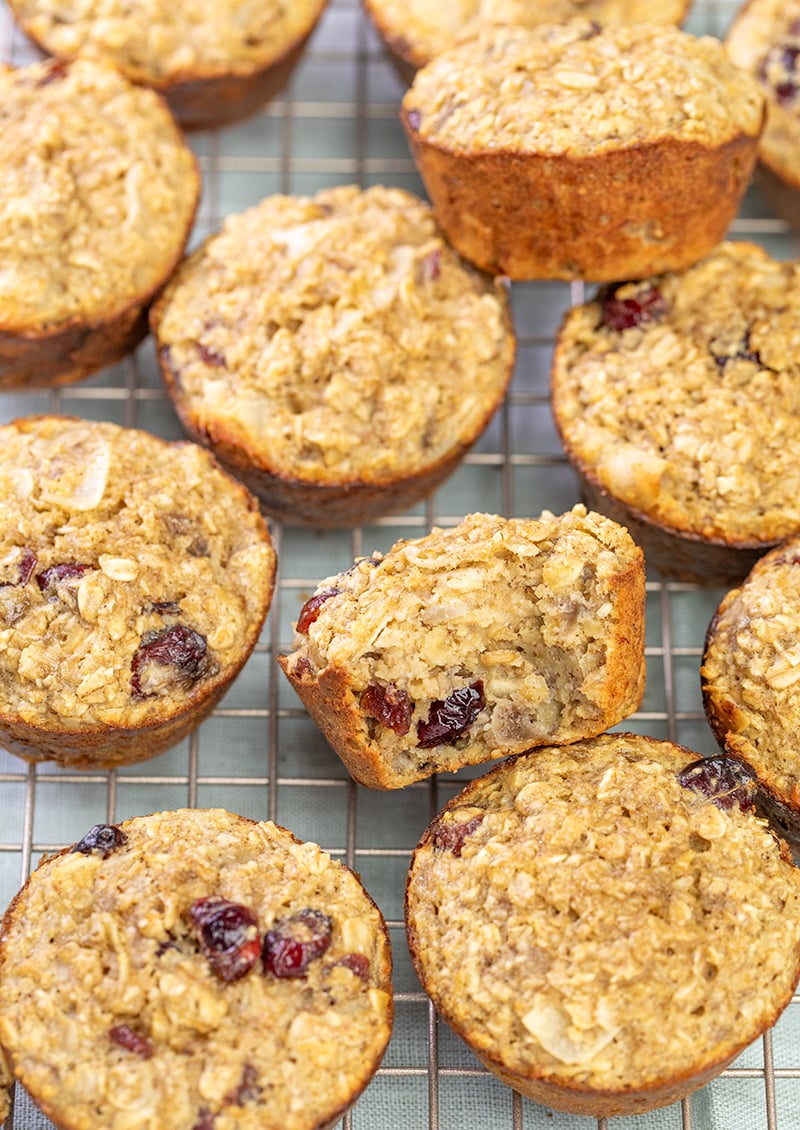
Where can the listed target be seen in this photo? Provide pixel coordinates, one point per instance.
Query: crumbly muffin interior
(97, 193)
(97, 944)
(335, 337)
(580, 915)
(688, 411)
(526, 88)
(132, 573)
(510, 626)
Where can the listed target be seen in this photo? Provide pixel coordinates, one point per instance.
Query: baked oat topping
(428, 30)
(578, 89)
(691, 417)
(97, 193)
(95, 946)
(152, 569)
(601, 924)
(764, 40)
(335, 337)
(160, 40)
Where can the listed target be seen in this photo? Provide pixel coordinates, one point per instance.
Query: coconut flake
(558, 1035)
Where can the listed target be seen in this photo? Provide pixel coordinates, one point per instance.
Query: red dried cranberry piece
(131, 1040)
(49, 579)
(779, 70)
(211, 357)
(357, 963)
(390, 705)
(205, 1121)
(247, 1090)
(102, 839)
(450, 718)
(646, 305)
(168, 658)
(432, 265)
(228, 935)
(293, 943)
(726, 781)
(25, 568)
(311, 609)
(55, 73)
(450, 837)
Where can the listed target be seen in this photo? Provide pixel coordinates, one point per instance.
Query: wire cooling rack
(259, 754)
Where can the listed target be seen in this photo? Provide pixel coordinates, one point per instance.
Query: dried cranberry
(205, 1121)
(211, 357)
(390, 705)
(450, 718)
(228, 935)
(131, 1040)
(432, 265)
(247, 1090)
(102, 839)
(726, 781)
(55, 72)
(311, 609)
(780, 72)
(357, 963)
(293, 943)
(168, 658)
(448, 836)
(49, 579)
(25, 568)
(646, 305)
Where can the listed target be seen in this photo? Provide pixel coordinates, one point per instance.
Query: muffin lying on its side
(473, 643)
(573, 151)
(98, 192)
(603, 928)
(676, 402)
(334, 352)
(190, 970)
(135, 576)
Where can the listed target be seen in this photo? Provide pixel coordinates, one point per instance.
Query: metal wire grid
(259, 754)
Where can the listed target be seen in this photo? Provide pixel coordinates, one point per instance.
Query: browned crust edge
(208, 102)
(384, 983)
(324, 505)
(212, 98)
(332, 703)
(781, 193)
(782, 808)
(678, 555)
(625, 214)
(68, 351)
(562, 1095)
